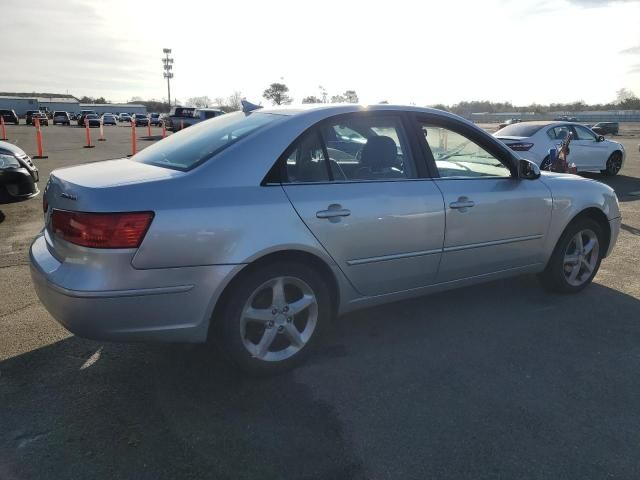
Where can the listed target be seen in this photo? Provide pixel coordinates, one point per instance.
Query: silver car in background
(254, 229)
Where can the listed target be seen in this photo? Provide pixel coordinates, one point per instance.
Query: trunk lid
(110, 186)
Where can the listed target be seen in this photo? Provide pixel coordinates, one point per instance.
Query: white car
(590, 152)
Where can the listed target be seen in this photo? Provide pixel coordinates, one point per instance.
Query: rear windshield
(192, 146)
(518, 130)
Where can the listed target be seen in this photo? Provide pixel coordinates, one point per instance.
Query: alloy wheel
(278, 319)
(581, 257)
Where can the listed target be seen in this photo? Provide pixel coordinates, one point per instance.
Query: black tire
(614, 164)
(554, 277)
(226, 330)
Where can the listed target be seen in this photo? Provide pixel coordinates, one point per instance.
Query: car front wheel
(614, 164)
(273, 317)
(576, 258)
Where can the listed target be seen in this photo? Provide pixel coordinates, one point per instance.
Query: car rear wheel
(576, 258)
(273, 317)
(614, 164)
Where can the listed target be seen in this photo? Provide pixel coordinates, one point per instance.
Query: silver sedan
(255, 229)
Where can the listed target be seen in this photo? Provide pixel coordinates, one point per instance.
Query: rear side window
(352, 148)
(518, 130)
(306, 163)
(194, 145)
(559, 133)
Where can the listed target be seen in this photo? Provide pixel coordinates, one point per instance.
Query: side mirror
(528, 170)
(600, 138)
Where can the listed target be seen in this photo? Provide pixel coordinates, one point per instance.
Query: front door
(354, 183)
(494, 222)
(586, 147)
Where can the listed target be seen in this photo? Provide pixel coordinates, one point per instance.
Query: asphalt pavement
(501, 380)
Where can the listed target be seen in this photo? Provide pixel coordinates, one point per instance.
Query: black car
(140, 120)
(82, 115)
(93, 118)
(29, 116)
(9, 116)
(18, 174)
(604, 128)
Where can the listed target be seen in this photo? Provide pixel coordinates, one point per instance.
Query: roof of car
(337, 108)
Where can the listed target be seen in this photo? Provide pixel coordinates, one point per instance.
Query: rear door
(356, 185)
(494, 220)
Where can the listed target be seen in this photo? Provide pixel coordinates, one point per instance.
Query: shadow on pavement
(499, 380)
(627, 188)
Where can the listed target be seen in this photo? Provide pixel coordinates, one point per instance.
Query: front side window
(583, 133)
(456, 156)
(352, 148)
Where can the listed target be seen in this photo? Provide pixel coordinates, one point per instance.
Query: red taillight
(45, 204)
(101, 230)
(520, 147)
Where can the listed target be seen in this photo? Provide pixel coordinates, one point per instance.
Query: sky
(420, 52)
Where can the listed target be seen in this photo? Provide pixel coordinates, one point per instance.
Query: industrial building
(21, 103)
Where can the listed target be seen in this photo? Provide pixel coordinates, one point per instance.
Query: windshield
(518, 130)
(190, 147)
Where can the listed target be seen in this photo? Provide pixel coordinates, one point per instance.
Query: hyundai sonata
(254, 229)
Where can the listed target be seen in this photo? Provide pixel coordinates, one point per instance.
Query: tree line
(278, 94)
(625, 100)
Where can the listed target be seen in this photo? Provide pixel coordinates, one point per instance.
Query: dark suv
(9, 116)
(604, 128)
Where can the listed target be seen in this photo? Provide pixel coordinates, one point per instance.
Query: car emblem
(68, 196)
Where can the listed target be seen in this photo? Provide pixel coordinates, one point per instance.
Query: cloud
(81, 52)
(635, 68)
(632, 50)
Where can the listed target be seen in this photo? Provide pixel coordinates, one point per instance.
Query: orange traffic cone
(39, 141)
(87, 133)
(3, 128)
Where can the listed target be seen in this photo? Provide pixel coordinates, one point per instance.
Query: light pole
(168, 74)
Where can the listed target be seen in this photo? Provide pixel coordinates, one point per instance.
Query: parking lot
(500, 380)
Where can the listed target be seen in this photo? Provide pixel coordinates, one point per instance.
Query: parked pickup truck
(183, 117)
(604, 128)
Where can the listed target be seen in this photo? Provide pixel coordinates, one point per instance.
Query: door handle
(462, 204)
(333, 211)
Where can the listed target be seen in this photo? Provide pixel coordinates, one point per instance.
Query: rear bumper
(114, 301)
